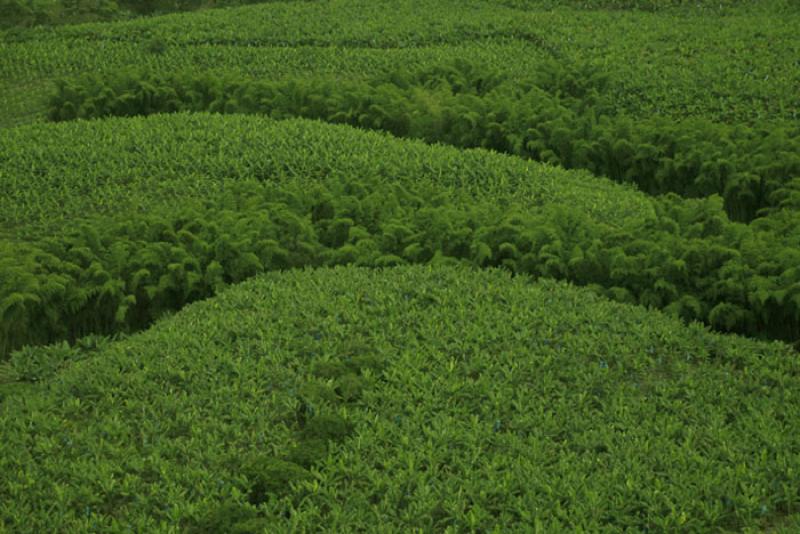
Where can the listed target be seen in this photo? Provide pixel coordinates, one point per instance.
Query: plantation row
(718, 7)
(120, 271)
(356, 23)
(562, 117)
(47, 60)
(692, 65)
(22, 13)
(54, 174)
(358, 397)
(27, 78)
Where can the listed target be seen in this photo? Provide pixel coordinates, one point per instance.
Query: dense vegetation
(388, 207)
(736, 69)
(562, 117)
(27, 13)
(313, 204)
(419, 398)
(323, 188)
(715, 6)
(73, 169)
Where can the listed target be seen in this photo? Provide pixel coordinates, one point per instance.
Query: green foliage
(151, 7)
(228, 517)
(32, 365)
(347, 398)
(308, 452)
(328, 427)
(712, 6)
(65, 180)
(119, 271)
(562, 117)
(27, 13)
(269, 476)
(19, 14)
(678, 64)
(22, 13)
(120, 275)
(494, 387)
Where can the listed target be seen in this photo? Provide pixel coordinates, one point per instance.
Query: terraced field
(415, 266)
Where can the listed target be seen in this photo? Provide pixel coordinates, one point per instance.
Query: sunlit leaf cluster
(417, 398)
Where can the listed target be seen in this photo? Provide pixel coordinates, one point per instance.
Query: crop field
(399, 266)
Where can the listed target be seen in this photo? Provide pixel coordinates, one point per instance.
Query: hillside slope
(734, 68)
(416, 398)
